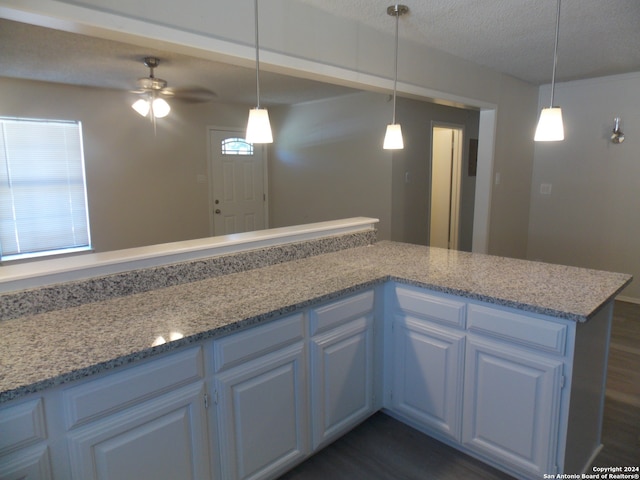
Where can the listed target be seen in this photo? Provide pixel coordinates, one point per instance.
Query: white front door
(237, 178)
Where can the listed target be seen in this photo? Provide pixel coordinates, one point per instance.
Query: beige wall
(592, 216)
(327, 162)
(411, 200)
(297, 38)
(142, 188)
(513, 166)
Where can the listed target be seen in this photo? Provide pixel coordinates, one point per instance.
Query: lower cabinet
(485, 380)
(260, 392)
(29, 464)
(24, 451)
(262, 414)
(427, 373)
(266, 421)
(341, 366)
(164, 438)
(512, 406)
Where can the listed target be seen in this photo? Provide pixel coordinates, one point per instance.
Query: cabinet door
(164, 438)
(262, 414)
(341, 379)
(428, 362)
(27, 464)
(511, 405)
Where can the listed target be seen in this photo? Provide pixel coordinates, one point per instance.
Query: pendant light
(393, 136)
(550, 127)
(258, 126)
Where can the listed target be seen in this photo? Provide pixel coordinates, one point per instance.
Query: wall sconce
(617, 136)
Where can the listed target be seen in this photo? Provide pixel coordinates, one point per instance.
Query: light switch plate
(545, 189)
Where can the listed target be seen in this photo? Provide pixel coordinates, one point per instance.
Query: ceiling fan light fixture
(160, 108)
(141, 106)
(151, 87)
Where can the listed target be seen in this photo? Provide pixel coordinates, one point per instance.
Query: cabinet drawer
(431, 307)
(119, 390)
(329, 316)
(526, 330)
(21, 425)
(240, 347)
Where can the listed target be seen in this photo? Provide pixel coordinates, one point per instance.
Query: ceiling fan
(153, 89)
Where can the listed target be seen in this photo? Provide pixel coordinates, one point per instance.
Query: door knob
(218, 212)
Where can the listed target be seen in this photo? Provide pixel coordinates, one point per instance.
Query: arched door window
(236, 146)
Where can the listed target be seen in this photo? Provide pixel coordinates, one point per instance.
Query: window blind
(43, 201)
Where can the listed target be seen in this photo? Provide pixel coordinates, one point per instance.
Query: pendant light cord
(257, 57)
(395, 78)
(555, 55)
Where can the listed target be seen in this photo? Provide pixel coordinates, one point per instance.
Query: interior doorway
(446, 166)
(238, 184)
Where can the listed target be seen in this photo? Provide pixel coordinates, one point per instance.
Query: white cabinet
(164, 438)
(427, 375)
(147, 422)
(261, 399)
(341, 366)
(512, 392)
(427, 362)
(24, 453)
(512, 405)
(486, 380)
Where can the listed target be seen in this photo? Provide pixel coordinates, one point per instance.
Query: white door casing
(446, 160)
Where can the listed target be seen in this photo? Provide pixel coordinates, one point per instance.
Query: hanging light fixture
(151, 87)
(550, 127)
(393, 136)
(258, 126)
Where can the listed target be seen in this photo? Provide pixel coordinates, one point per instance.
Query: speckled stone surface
(47, 349)
(72, 294)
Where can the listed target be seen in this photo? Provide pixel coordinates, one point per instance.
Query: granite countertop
(48, 349)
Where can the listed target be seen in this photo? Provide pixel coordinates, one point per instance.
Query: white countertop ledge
(78, 267)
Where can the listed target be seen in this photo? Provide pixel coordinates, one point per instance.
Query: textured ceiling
(38, 53)
(597, 37)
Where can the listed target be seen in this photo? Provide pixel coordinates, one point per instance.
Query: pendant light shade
(550, 126)
(393, 136)
(258, 126)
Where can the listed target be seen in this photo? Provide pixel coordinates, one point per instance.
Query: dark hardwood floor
(621, 427)
(385, 449)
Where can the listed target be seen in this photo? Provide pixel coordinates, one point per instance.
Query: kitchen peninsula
(309, 338)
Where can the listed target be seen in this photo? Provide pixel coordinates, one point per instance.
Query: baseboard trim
(623, 298)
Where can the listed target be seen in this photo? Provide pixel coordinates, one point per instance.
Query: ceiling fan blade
(190, 94)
